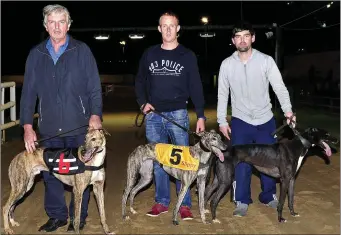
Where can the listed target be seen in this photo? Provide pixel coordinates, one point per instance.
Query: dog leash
(48, 138)
(163, 116)
(175, 123)
(305, 142)
(284, 125)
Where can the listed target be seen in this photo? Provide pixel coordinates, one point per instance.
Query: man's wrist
(202, 117)
(223, 124)
(27, 127)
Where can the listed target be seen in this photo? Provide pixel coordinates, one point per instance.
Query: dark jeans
(157, 131)
(244, 133)
(54, 203)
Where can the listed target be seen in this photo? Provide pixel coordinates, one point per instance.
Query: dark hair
(241, 26)
(169, 13)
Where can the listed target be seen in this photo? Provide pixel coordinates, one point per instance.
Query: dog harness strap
(94, 168)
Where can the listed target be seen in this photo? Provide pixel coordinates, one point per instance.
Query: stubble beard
(243, 49)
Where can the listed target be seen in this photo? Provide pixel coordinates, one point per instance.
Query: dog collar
(304, 141)
(203, 148)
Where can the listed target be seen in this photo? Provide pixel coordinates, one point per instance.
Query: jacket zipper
(82, 105)
(57, 61)
(60, 56)
(247, 88)
(41, 114)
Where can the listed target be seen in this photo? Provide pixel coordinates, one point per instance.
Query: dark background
(22, 29)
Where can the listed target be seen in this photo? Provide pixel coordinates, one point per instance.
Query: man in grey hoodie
(247, 74)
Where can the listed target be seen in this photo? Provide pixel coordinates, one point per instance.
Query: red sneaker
(185, 213)
(157, 210)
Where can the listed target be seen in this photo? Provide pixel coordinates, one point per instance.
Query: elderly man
(63, 74)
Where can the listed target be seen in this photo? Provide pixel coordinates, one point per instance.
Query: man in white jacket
(247, 74)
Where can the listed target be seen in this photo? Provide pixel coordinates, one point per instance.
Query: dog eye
(93, 139)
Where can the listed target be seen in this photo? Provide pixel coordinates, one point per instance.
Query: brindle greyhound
(281, 160)
(25, 166)
(141, 160)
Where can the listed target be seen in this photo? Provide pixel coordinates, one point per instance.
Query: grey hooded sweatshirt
(248, 85)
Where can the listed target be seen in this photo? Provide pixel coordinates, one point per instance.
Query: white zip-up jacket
(248, 85)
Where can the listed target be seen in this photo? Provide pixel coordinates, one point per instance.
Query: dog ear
(105, 132)
(200, 134)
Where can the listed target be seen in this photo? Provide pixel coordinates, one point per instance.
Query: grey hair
(57, 9)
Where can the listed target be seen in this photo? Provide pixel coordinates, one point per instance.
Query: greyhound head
(321, 138)
(213, 142)
(94, 143)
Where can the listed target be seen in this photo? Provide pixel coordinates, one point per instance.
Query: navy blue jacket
(168, 78)
(69, 92)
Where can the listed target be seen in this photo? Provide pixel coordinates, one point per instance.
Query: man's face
(243, 40)
(57, 26)
(169, 28)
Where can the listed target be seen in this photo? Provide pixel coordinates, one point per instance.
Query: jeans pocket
(181, 114)
(149, 115)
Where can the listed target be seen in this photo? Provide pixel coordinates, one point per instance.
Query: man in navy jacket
(62, 73)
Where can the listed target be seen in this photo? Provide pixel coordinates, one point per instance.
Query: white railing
(9, 105)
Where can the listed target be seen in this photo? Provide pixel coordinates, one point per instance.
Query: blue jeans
(158, 130)
(244, 133)
(54, 203)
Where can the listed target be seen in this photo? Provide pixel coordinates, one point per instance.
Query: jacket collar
(72, 43)
(236, 56)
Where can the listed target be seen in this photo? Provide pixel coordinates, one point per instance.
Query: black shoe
(71, 228)
(52, 225)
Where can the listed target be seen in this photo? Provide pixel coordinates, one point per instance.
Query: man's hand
(200, 125)
(225, 130)
(147, 108)
(95, 122)
(29, 137)
(288, 115)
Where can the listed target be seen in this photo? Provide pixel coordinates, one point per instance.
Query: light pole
(123, 43)
(204, 20)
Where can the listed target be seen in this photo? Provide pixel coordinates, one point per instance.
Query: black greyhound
(280, 160)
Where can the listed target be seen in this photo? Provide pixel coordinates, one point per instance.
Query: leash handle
(138, 114)
(285, 124)
(48, 138)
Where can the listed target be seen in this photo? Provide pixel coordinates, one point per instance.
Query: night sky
(22, 27)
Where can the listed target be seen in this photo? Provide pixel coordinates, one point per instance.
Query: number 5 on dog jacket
(176, 156)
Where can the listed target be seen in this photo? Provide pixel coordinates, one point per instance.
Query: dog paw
(9, 231)
(133, 211)
(109, 232)
(206, 211)
(216, 221)
(295, 214)
(126, 217)
(282, 220)
(206, 222)
(14, 223)
(175, 222)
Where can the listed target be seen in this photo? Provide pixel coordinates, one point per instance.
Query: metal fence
(321, 103)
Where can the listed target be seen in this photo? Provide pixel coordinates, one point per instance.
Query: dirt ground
(317, 193)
